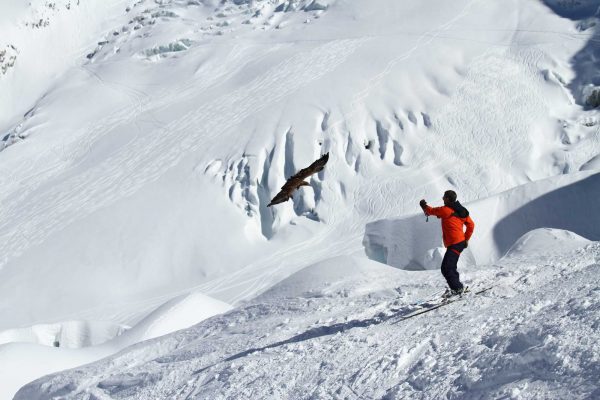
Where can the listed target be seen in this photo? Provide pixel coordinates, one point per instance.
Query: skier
(453, 216)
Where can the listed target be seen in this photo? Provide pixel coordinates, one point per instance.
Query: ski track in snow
(257, 281)
(171, 142)
(140, 110)
(125, 181)
(422, 40)
(175, 131)
(124, 173)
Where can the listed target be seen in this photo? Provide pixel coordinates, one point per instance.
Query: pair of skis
(443, 303)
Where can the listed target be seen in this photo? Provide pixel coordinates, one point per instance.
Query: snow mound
(178, 313)
(546, 241)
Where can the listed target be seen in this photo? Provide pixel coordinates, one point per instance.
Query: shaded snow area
(142, 140)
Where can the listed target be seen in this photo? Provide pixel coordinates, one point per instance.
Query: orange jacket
(452, 226)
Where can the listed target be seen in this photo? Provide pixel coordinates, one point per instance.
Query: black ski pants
(449, 265)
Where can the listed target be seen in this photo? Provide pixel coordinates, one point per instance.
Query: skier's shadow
(320, 331)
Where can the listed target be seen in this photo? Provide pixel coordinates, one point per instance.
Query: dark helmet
(450, 195)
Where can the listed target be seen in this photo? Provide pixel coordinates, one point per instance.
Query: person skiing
(453, 216)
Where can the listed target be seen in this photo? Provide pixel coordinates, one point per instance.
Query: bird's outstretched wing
(311, 169)
(280, 197)
(297, 180)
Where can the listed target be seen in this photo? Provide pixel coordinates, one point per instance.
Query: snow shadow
(320, 331)
(586, 62)
(572, 207)
(574, 10)
(402, 243)
(411, 243)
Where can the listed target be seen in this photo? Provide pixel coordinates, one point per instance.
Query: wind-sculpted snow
(533, 335)
(567, 207)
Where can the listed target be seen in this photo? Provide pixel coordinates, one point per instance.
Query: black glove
(423, 203)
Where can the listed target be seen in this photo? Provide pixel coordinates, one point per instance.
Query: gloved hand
(423, 203)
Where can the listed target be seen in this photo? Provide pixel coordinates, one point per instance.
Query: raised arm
(440, 212)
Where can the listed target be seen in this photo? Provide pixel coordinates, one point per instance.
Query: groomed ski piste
(143, 140)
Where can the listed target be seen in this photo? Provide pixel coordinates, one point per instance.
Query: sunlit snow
(142, 141)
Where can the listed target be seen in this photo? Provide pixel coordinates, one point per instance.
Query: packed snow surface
(335, 330)
(142, 141)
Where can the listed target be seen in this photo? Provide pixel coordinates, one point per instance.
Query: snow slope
(333, 330)
(139, 154)
(133, 150)
(42, 40)
(28, 356)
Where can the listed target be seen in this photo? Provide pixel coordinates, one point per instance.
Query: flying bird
(296, 181)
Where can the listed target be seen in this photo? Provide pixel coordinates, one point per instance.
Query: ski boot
(454, 292)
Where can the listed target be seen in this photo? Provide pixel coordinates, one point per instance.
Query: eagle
(296, 181)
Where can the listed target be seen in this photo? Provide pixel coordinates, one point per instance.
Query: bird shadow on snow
(319, 331)
(572, 207)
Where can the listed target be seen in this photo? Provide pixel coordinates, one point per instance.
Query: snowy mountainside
(63, 34)
(136, 166)
(334, 330)
(110, 108)
(39, 41)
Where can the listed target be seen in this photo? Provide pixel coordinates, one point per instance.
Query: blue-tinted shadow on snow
(320, 331)
(401, 242)
(586, 62)
(573, 207)
(574, 10)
